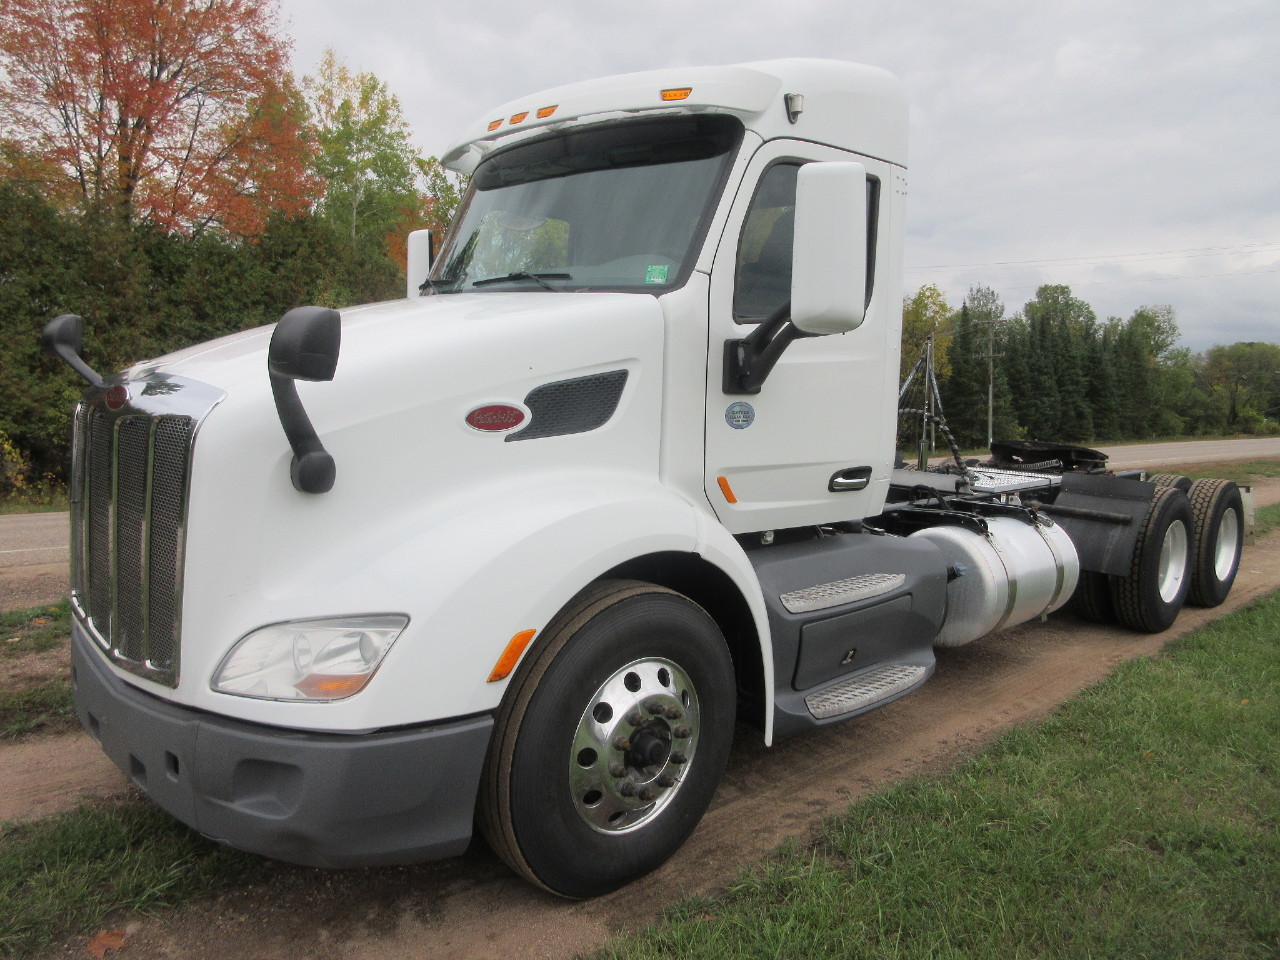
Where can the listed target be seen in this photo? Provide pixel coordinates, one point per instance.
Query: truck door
(827, 407)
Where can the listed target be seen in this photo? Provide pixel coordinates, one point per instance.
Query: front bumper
(318, 799)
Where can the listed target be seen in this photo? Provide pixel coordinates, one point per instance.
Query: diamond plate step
(862, 691)
(824, 595)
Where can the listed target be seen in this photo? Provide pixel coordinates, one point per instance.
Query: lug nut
(635, 718)
(647, 794)
(627, 788)
(681, 733)
(617, 771)
(674, 713)
(678, 757)
(666, 781)
(622, 743)
(655, 707)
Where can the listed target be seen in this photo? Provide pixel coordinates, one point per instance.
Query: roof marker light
(544, 112)
(495, 125)
(677, 93)
(519, 117)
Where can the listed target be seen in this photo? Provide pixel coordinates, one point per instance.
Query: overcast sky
(1128, 148)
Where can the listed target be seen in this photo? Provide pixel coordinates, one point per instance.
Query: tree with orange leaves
(176, 111)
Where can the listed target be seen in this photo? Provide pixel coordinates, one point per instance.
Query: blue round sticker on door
(740, 415)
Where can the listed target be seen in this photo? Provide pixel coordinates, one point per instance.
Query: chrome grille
(130, 481)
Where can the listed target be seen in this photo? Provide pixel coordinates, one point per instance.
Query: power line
(1261, 247)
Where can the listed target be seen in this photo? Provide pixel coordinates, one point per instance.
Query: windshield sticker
(656, 274)
(740, 415)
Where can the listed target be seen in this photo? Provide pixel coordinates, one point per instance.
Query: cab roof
(847, 105)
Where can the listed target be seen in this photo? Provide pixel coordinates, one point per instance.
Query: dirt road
(471, 907)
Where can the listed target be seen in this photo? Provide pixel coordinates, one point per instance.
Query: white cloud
(1083, 128)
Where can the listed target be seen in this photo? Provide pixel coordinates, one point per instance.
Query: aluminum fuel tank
(1015, 573)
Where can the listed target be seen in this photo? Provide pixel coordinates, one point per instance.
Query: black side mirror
(304, 346)
(63, 337)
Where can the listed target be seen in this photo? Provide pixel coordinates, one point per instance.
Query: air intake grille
(129, 492)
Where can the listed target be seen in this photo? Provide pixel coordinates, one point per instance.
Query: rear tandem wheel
(1149, 597)
(1216, 541)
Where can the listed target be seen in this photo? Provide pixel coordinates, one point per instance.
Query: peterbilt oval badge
(117, 397)
(495, 417)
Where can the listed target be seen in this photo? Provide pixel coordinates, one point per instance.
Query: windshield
(618, 208)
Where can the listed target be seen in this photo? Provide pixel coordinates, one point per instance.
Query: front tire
(1150, 596)
(611, 740)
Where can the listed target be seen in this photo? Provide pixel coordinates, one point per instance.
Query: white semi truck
(518, 550)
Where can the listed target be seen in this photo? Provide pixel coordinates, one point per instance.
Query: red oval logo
(117, 397)
(495, 417)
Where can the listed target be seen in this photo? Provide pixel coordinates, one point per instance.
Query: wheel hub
(634, 743)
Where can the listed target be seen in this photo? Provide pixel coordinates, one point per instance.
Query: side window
(762, 280)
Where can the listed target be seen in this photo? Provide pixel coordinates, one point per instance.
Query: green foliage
(1063, 375)
(365, 156)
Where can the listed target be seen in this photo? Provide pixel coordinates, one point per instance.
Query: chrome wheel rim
(1173, 561)
(633, 746)
(1224, 557)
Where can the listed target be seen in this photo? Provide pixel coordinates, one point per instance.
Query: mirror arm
(63, 337)
(304, 346)
(749, 361)
(313, 469)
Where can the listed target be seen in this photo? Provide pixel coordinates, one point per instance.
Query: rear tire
(562, 802)
(1217, 539)
(1162, 480)
(1149, 597)
(1092, 599)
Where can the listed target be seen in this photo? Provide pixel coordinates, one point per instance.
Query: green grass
(53, 499)
(34, 630)
(45, 708)
(1142, 820)
(1242, 471)
(63, 875)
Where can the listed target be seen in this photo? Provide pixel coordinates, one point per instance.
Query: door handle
(850, 478)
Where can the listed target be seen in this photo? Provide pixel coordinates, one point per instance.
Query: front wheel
(611, 741)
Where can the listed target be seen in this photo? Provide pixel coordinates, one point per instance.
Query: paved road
(34, 551)
(1152, 456)
(34, 554)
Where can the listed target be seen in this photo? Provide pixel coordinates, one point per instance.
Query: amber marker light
(519, 117)
(726, 489)
(677, 93)
(495, 125)
(510, 656)
(334, 686)
(544, 112)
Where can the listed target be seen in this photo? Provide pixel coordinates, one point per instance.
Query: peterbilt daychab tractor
(516, 551)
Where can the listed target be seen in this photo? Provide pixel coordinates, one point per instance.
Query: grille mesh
(572, 406)
(132, 477)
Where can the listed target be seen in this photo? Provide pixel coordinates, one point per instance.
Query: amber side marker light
(677, 93)
(726, 489)
(332, 687)
(510, 656)
(519, 117)
(544, 112)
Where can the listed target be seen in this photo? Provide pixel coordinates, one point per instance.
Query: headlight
(308, 659)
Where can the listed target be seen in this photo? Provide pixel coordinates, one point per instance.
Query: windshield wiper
(540, 278)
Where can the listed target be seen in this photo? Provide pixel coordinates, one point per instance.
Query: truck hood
(424, 329)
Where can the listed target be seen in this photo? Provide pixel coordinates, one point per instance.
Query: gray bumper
(323, 800)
